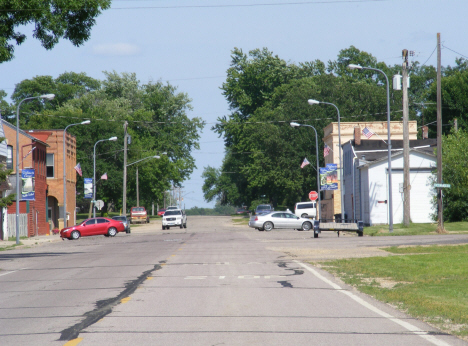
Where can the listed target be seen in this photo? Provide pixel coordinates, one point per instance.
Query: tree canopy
(52, 20)
(265, 93)
(157, 122)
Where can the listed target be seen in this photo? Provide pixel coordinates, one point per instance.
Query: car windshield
(172, 212)
(138, 209)
(263, 207)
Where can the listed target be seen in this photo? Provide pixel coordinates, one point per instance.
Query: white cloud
(116, 49)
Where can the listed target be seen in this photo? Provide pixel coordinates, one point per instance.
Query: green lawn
(427, 282)
(416, 229)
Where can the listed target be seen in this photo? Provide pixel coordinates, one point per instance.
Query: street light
(389, 144)
(146, 158)
(294, 124)
(18, 191)
(313, 102)
(94, 172)
(65, 172)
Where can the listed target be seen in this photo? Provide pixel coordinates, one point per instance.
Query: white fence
(23, 225)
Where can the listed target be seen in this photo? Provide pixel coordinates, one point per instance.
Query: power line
(429, 56)
(455, 52)
(247, 5)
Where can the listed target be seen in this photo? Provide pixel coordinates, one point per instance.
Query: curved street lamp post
(312, 102)
(389, 144)
(294, 124)
(18, 190)
(94, 172)
(65, 171)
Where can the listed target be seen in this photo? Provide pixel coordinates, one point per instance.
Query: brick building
(54, 139)
(32, 152)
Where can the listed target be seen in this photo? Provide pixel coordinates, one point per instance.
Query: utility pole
(138, 190)
(124, 199)
(406, 159)
(440, 205)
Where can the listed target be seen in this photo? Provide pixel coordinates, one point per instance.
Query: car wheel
(306, 226)
(185, 225)
(112, 232)
(181, 225)
(75, 235)
(303, 215)
(268, 226)
(163, 227)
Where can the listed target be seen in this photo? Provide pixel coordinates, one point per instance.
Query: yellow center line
(149, 278)
(125, 300)
(73, 342)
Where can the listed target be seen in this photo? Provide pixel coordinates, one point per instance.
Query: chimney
(425, 132)
(357, 136)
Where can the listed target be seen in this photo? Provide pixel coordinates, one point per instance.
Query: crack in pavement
(104, 307)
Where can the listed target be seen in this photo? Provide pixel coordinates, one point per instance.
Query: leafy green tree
(455, 157)
(52, 19)
(454, 100)
(67, 86)
(157, 123)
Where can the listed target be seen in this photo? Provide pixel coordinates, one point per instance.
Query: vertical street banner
(329, 177)
(88, 187)
(28, 185)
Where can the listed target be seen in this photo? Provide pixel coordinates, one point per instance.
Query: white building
(365, 164)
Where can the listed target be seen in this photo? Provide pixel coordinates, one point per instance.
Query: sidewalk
(31, 241)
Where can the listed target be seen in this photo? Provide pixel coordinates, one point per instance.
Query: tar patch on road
(285, 284)
(104, 307)
(296, 271)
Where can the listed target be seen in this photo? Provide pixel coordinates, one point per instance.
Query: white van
(303, 209)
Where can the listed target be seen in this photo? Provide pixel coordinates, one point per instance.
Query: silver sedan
(279, 219)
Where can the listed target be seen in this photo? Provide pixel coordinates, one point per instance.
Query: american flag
(367, 132)
(305, 163)
(78, 169)
(326, 150)
(104, 176)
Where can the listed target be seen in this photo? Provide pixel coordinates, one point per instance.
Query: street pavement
(210, 284)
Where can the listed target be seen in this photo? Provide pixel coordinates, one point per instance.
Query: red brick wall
(36, 160)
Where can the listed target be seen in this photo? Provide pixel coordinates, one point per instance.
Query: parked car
(279, 219)
(93, 226)
(304, 209)
(125, 221)
(161, 212)
(138, 214)
(241, 211)
(263, 208)
(174, 217)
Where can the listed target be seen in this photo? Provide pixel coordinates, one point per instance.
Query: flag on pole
(78, 169)
(104, 176)
(367, 132)
(326, 150)
(305, 163)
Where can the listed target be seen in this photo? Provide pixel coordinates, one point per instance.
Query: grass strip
(427, 282)
(416, 229)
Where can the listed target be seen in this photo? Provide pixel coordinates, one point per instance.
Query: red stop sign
(313, 195)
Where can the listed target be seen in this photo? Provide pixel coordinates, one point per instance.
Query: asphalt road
(210, 284)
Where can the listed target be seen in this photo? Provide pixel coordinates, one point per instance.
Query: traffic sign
(99, 204)
(313, 195)
(442, 185)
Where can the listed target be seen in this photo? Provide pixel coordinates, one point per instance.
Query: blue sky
(189, 43)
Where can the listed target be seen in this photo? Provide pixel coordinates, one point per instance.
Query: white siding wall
(421, 192)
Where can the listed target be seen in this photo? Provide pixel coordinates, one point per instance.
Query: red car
(161, 212)
(94, 226)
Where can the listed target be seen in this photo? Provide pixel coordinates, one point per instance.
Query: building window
(9, 161)
(50, 165)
